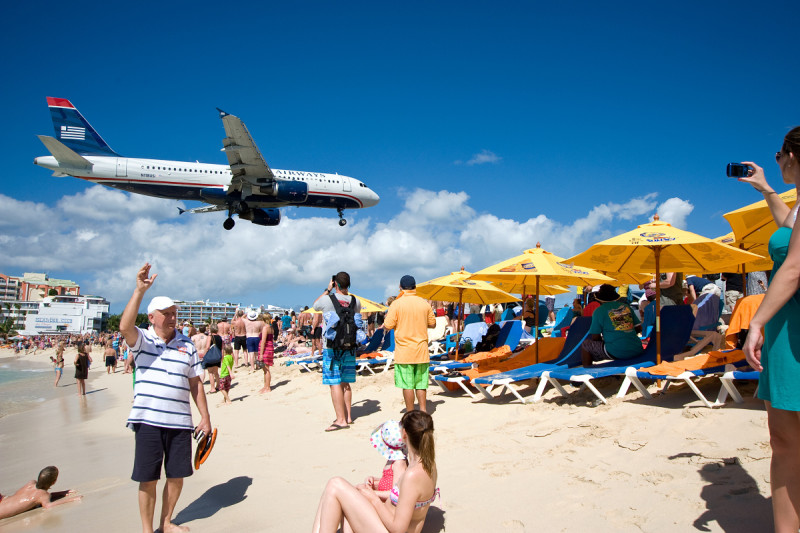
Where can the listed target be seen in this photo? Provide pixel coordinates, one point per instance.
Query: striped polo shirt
(161, 393)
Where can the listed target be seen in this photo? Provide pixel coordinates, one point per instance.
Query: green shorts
(411, 376)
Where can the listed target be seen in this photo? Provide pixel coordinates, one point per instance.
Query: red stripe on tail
(59, 102)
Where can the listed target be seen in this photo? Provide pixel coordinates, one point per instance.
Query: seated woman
(361, 509)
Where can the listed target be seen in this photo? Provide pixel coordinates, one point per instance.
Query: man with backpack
(339, 355)
(410, 317)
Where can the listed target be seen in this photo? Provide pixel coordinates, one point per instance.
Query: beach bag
(346, 339)
(213, 356)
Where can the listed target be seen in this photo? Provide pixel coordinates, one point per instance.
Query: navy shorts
(155, 445)
(253, 344)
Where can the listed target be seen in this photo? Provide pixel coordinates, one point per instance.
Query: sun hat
(252, 314)
(159, 303)
(388, 440)
(607, 293)
(408, 282)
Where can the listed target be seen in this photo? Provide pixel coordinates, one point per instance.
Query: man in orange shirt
(410, 317)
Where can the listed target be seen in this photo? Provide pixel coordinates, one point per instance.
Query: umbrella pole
(458, 326)
(657, 250)
(744, 276)
(536, 320)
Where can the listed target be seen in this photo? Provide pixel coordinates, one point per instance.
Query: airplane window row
(185, 170)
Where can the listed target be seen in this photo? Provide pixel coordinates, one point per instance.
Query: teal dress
(780, 355)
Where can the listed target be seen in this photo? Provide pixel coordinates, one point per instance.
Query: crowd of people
(172, 364)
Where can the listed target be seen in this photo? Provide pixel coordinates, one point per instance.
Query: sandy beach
(667, 464)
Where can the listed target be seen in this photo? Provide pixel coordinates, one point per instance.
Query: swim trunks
(253, 344)
(411, 376)
(153, 445)
(317, 333)
(111, 360)
(239, 343)
(338, 371)
(225, 383)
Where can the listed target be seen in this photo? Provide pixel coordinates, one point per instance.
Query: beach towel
(707, 360)
(743, 312)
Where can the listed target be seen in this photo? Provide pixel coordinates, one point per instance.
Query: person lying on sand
(34, 494)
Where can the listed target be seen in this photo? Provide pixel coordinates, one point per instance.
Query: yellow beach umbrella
(457, 287)
(765, 263)
(754, 223)
(368, 306)
(535, 266)
(518, 288)
(658, 246)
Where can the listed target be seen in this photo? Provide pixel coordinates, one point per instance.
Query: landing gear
(342, 221)
(229, 223)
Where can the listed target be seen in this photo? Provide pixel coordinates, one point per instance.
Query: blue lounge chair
(374, 343)
(373, 364)
(510, 335)
(570, 356)
(563, 320)
(729, 388)
(635, 377)
(676, 321)
(508, 314)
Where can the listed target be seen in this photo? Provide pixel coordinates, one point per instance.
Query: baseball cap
(408, 282)
(159, 303)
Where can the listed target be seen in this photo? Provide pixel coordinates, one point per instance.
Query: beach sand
(667, 464)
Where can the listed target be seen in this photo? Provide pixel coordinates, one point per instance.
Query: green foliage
(113, 321)
(52, 292)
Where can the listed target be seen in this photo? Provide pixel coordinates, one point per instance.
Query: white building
(67, 314)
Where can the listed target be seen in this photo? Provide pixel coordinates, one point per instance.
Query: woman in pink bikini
(365, 508)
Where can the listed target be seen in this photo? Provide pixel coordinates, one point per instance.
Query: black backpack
(345, 339)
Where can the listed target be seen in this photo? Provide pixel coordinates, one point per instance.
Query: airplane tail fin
(74, 131)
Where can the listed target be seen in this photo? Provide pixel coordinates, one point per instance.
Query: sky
(485, 128)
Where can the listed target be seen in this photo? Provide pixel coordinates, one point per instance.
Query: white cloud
(103, 236)
(481, 158)
(675, 211)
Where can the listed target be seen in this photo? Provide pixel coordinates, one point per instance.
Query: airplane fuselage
(206, 182)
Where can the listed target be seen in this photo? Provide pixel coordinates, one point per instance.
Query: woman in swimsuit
(361, 509)
(58, 362)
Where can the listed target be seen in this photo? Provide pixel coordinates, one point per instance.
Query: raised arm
(127, 323)
(758, 180)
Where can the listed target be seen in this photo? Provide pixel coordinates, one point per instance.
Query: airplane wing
(247, 164)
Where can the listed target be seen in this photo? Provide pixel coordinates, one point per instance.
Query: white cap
(252, 314)
(159, 303)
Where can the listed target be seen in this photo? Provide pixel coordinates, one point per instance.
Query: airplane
(247, 186)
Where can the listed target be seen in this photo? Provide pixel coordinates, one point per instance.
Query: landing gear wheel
(229, 223)
(342, 222)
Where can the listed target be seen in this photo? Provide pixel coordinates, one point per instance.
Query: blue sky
(483, 127)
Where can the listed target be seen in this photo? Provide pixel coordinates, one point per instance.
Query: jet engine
(287, 191)
(262, 217)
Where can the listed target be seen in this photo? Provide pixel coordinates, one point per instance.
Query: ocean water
(24, 383)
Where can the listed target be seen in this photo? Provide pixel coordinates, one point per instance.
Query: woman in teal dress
(776, 353)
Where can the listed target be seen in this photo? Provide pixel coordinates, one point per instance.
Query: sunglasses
(778, 156)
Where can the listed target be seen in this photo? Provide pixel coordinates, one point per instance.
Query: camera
(738, 170)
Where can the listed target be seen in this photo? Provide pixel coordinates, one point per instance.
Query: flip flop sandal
(204, 446)
(335, 427)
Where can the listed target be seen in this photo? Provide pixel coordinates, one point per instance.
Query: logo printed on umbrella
(519, 268)
(654, 236)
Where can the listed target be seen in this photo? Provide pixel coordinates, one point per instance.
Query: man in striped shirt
(168, 372)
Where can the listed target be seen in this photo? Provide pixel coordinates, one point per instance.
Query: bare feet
(264, 389)
(174, 528)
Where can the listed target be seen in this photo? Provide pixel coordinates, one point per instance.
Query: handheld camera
(738, 170)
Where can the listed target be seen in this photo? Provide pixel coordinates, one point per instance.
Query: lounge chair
(374, 342)
(563, 319)
(676, 321)
(569, 356)
(686, 371)
(510, 333)
(384, 358)
(549, 349)
(729, 388)
(508, 314)
(436, 336)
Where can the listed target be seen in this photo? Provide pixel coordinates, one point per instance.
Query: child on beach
(388, 440)
(226, 372)
(34, 494)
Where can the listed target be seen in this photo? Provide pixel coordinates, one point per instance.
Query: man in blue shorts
(338, 373)
(168, 372)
